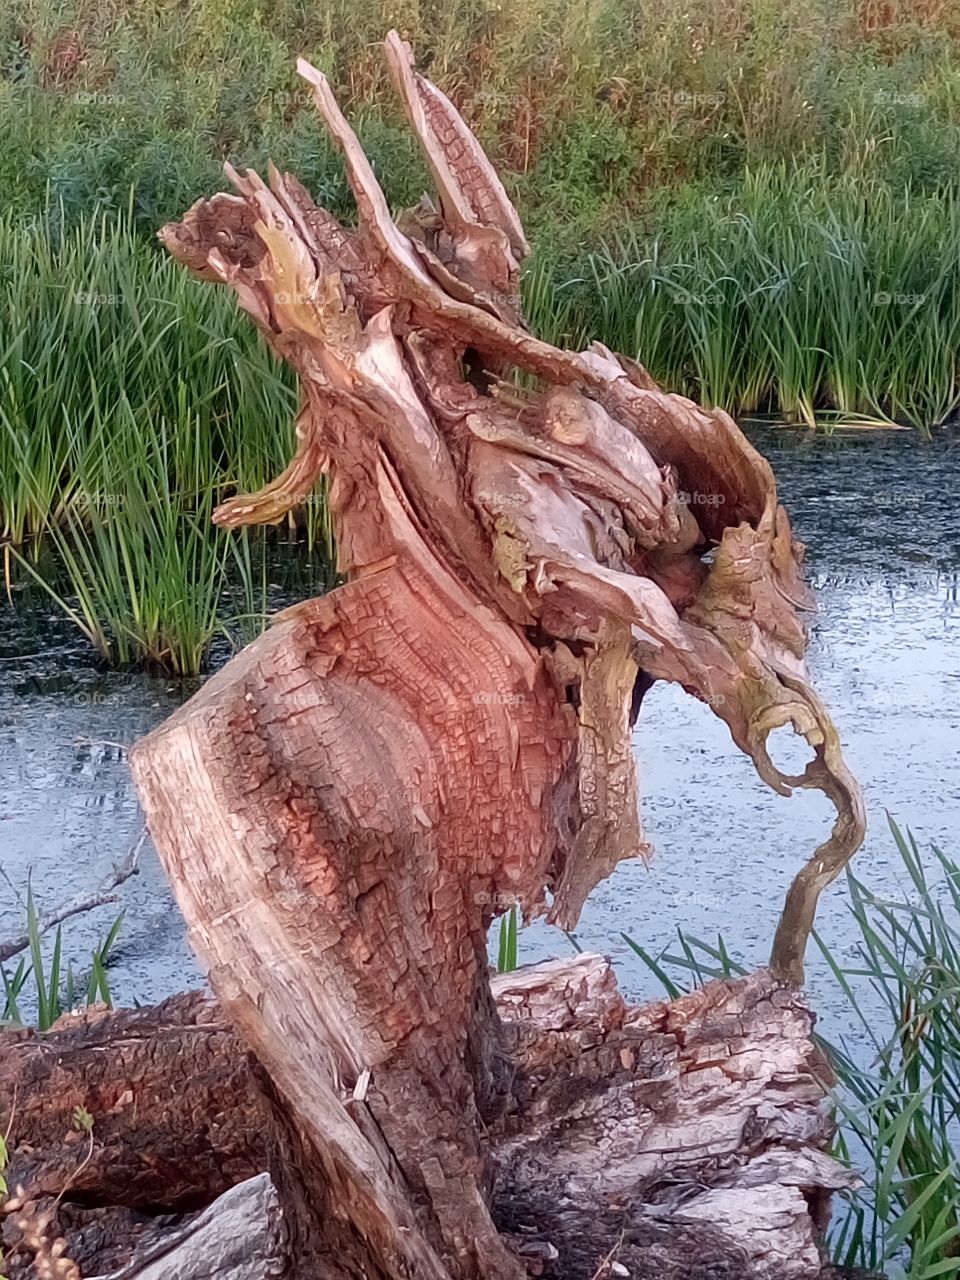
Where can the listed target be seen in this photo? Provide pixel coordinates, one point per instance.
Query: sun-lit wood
(346, 807)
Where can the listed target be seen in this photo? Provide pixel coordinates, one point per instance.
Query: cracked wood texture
(684, 1139)
(177, 1116)
(530, 538)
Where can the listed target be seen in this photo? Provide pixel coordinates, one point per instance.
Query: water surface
(878, 512)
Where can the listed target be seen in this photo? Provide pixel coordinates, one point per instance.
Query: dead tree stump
(344, 809)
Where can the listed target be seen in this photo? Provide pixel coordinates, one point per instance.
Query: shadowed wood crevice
(530, 537)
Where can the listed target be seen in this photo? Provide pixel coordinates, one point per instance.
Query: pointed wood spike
(466, 178)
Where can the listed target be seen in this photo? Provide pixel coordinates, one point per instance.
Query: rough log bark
(344, 808)
(688, 1136)
(177, 1118)
(684, 1139)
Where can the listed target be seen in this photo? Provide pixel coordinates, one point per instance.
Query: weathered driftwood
(683, 1138)
(693, 1131)
(240, 1237)
(347, 805)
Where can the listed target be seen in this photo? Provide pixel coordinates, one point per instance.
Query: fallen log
(688, 1137)
(177, 1120)
(530, 538)
(679, 1137)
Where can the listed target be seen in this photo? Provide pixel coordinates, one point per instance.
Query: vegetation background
(756, 198)
(594, 110)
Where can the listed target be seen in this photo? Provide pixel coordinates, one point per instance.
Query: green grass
(101, 336)
(143, 583)
(54, 989)
(585, 106)
(801, 294)
(898, 1100)
(507, 951)
(132, 400)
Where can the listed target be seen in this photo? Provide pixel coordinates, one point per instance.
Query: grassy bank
(757, 200)
(806, 295)
(131, 400)
(586, 106)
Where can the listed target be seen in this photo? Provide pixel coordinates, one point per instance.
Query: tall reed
(800, 293)
(808, 294)
(98, 328)
(53, 988)
(585, 107)
(132, 399)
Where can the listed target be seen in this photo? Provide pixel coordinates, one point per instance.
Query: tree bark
(344, 809)
(682, 1139)
(177, 1117)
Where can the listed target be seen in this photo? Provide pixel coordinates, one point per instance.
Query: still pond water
(879, 514)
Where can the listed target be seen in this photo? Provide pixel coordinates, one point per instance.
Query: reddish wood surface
(531, 536)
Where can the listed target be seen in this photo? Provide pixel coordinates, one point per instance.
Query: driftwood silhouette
(530, 537)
